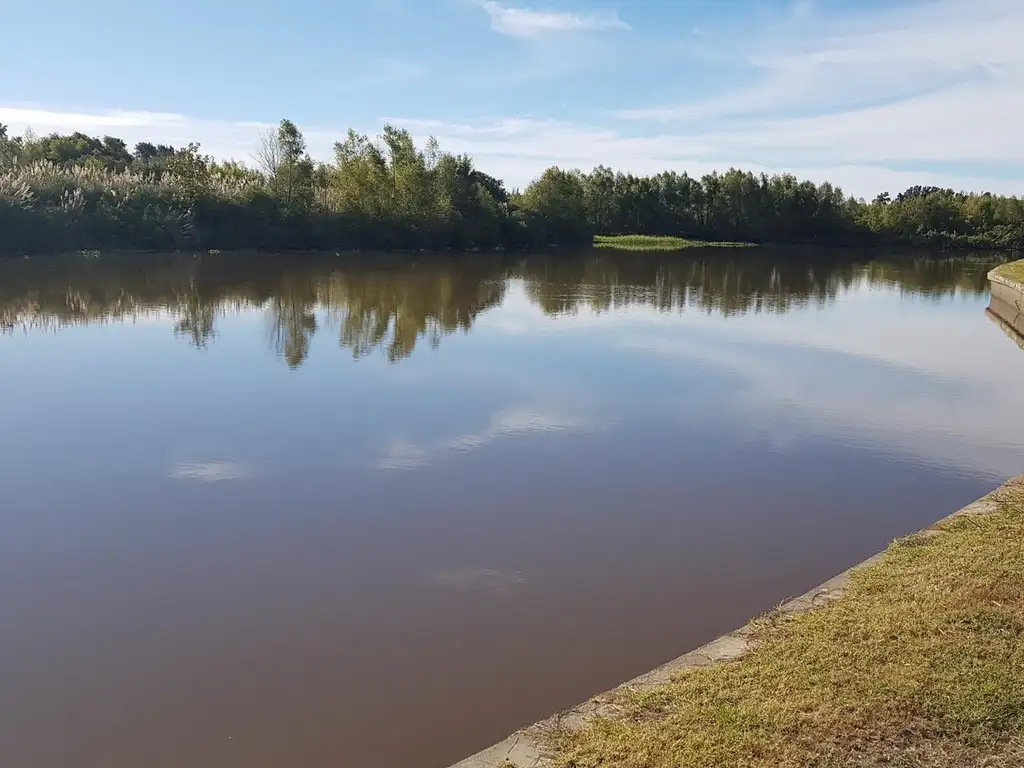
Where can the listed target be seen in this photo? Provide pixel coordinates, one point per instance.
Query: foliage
(80, 192)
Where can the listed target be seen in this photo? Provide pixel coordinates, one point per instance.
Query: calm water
(258, 513)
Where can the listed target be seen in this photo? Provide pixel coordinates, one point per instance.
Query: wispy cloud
(852, 60)
(403, 455)
(221, 138)
(83, 120)
(517, 421)
(877, 100)
(483, 579)
(530, 24)
(210, 471)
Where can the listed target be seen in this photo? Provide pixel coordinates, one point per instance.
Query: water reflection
(364, 563)
(769, 281)
(487, 579)
(522, 421)
(1006, 327)
(393, 306)
(210, 471)
(370, 308)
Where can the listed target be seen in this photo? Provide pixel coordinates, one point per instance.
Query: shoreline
(615, 244)
(530, 747)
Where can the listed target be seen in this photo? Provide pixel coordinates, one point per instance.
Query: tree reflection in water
(391, 303)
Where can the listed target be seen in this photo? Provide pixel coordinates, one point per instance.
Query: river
(263, 512)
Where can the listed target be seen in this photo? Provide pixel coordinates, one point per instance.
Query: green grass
(658, 243)
(1012, 271)
(919, 665)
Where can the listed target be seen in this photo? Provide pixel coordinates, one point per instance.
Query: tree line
(78, 192)
(381, 306)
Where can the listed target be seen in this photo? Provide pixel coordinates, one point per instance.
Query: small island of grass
(660, 243)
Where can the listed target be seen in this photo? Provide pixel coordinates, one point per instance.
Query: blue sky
(873, 95)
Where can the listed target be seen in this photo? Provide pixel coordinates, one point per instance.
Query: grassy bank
(920, 664)
(1012, 271)
(659, 243)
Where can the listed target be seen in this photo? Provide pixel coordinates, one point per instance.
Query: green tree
(558, 201)
(288, 169)
(10, 149)
(192, 173)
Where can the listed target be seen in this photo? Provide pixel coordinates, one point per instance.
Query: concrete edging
(996, 276)
(523, 748)
(1007, 304)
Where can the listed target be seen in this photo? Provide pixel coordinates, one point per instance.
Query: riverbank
(605, 243)
(914, 658)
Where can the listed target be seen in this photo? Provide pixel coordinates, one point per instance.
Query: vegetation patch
(660, 243)
(1012, 271)
(921, 663)
(384, 193)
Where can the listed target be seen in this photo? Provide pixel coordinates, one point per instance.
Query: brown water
(267, 513)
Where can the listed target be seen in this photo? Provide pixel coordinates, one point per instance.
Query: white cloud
(210, 471)
(484, 579)
(44, 120)
(530, 24)
(403, 455)
(223, 139)
(517, 421)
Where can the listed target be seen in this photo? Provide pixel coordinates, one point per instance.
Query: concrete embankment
(526, 748)
(1007, 305)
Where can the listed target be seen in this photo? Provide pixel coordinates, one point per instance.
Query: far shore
(610, 243)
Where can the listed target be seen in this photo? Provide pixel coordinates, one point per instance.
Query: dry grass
(658, 243)
(919, 665)
(1012, 271)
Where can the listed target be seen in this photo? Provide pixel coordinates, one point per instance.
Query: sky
(875, 95)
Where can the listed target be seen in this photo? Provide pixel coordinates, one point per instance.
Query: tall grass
(49, 207)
